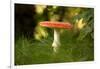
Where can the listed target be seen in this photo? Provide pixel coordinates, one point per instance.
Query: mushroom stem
(56, 41)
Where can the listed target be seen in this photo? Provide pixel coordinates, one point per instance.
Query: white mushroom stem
(56, 41)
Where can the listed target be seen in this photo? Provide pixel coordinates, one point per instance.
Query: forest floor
(30, 51)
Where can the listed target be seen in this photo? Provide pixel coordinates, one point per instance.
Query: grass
(29, 51)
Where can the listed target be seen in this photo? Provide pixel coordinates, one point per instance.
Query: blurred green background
(33, 42)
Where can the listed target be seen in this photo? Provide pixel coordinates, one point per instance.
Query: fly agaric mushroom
(56, 25)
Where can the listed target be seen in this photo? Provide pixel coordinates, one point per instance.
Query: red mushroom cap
(51, 24)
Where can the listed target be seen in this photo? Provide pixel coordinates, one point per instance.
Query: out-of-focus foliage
(81, 18)
(40, 33)
(84, 25)
(28, 17)
(40, 8)
(79, 24)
